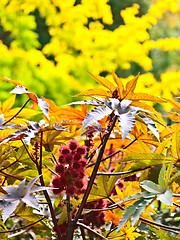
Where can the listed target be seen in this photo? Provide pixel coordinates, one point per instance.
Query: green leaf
(161, 178)
(140, 208)
(28, 214)
(135, 211)
(174, 177)
(166, 197)
(102, 188)
(129, 211)
(150, 187)
(146, 156)
(145, 195)
(162, 234)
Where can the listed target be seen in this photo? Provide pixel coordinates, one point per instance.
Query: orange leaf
(7, 105)
(175, 104)
(144, 97)
(104, 82)
(118, 81)
(12, 81)
(131, 85)
(96, 92)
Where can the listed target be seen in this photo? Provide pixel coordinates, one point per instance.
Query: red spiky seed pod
(73, 145)
(81, 174)
(74, 174)
(71, 190)
(77, 165)
(59, 169)
(64, 150)
(68, 158)
(77, 157)
(61, 159)
(80, 184)
(81, 150)
(83, 163)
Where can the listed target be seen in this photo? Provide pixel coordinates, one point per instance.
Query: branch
(90, 183)
(48, 199)
(17, 112)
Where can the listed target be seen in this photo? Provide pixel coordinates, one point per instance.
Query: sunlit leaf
(94, 92)
(44, 106)
(104, 82)
(126, 123)
(150, 187)
(96, 114)
(130, 86)
(166, 197)
(145, 97)
(9, 209)
(118, 81)
(7, 105)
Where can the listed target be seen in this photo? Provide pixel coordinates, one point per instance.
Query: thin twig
(27, 226)
(122, 173)
(17, 112)
(30, 155)
(91, 230)
(111, 155)
(175, 204)
(82, 233)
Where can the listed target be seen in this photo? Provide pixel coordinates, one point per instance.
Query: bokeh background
(51, 45)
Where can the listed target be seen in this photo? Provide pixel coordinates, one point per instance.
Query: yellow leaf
(175, 104)
(96, 92)
(144, 97)
(131, 85)
(118, 81)
(176, 143)
(8, 103)
(174, 117)
(104, 82)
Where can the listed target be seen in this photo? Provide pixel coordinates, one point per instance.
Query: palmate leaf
(1, 119)
(94, 92)
(9, 209)
(104, 82)
(27, 213)
(163, 195)
(88, 102)
(16, 195)
(162, 234)
(150, 187)
(103, 188)
(96, 114)
(166, 197)
(151, 125)
(44, 106)
(130, 86)
(118, 81)
(7, 105)
(145, 97)
(134, 211)
(126, 123)
(146, 156)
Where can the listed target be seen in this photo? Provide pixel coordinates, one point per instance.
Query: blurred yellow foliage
(77, 45)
